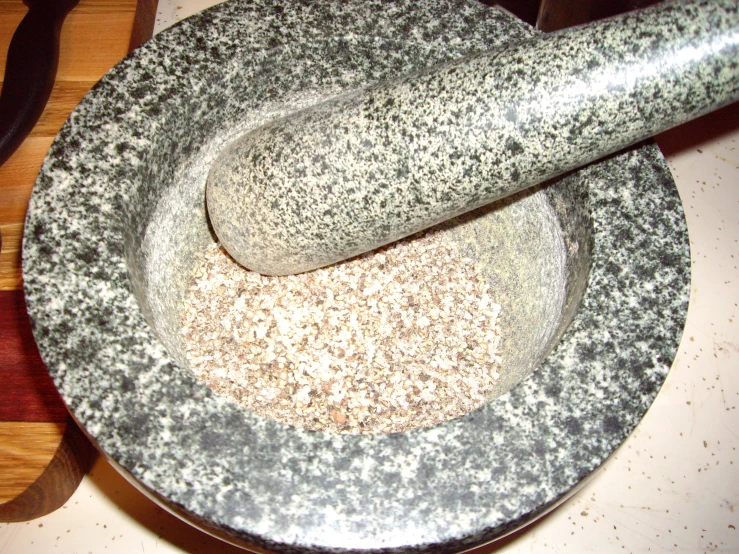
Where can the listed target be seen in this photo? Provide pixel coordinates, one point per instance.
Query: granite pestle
(369, 167)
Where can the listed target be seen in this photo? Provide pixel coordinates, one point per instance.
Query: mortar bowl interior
(534, 250)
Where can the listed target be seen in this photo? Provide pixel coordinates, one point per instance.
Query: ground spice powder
(401, 338)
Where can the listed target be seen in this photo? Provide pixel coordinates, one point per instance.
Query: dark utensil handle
(30, 70)
(560, 14)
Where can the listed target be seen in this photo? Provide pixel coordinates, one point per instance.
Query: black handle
(30, 71)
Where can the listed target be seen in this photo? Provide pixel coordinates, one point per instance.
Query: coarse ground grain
(401, 338)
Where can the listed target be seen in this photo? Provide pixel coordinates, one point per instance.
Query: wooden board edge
(71, 461)
(143, 23)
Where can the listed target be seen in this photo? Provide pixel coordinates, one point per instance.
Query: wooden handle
(30, 71)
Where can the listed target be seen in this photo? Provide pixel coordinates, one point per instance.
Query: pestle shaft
(368, 168)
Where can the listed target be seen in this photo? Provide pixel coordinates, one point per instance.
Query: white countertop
(673, 486)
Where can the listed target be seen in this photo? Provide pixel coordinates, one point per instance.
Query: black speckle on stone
(89, 255)
(126, 384)
(573, 425)
(553, 389)
(612, 425)
(37, 230)
(513, 146)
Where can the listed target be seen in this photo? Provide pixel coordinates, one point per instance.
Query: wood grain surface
(27, 450)
(28, 393)
(55, 482)
(43, 454)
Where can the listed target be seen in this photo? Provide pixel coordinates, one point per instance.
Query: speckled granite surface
(386, 161)
(101, 294)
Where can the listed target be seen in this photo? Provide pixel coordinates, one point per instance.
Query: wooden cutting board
(43, 454)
